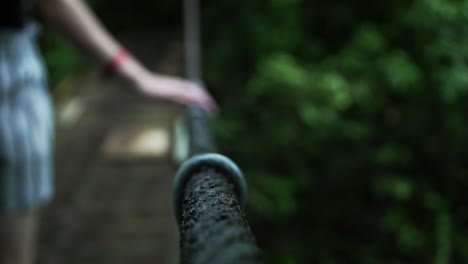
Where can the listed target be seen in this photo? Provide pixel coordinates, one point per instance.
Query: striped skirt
(26, 123)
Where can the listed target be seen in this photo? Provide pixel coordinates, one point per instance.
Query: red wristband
(111, 67)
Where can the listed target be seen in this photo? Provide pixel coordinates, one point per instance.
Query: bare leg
(18, 233)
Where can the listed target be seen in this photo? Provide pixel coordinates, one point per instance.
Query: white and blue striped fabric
(26, 123)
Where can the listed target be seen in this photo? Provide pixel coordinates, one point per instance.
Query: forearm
(76, 21)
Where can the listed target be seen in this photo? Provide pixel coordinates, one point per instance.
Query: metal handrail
(210, 191)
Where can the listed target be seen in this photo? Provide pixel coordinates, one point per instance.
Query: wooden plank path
(111, 207)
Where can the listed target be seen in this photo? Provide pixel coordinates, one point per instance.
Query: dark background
(347, 117)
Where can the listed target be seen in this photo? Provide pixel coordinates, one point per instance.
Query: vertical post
(201, 140)
(192, 40)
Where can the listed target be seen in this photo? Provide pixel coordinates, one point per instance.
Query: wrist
(134, 74)
(115, 62)
(132, 71)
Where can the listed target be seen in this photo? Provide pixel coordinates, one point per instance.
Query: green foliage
(61, 59)
(348, 118)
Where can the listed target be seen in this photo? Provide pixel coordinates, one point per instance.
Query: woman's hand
(77, 21)
(175, 90)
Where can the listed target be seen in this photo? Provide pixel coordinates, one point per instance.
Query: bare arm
(77, 22)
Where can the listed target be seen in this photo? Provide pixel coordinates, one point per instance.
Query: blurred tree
(348, 118)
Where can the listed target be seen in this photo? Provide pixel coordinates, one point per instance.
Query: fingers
(200, 98)
(203, 98)
(179, 91)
